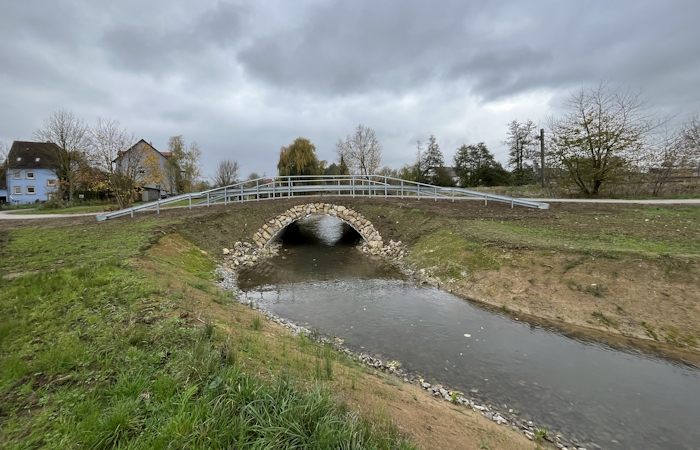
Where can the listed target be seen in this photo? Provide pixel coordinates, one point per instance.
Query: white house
(31, 172)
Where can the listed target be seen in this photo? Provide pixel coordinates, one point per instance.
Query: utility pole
(542, 153)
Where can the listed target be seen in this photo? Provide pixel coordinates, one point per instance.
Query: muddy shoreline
(529, 428)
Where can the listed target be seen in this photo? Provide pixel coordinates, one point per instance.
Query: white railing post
(190, 200)
(486, 199)
(158, 206)
(418, 186)
(435, 194)
(385, 187)
(353, 186)
(453, 195)
(401, 189)
(273, 188)
(339, 187)
(225, 198)
(207, 199)
(257, 190)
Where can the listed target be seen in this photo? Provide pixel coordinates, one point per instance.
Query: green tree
(299, 158)
(182, 168)
(475, 165)
(442, 177)
(343, 168)
(432, 160)
(333, 169)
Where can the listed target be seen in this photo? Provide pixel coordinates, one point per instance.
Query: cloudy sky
(245, 78)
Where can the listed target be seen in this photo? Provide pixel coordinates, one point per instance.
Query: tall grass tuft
(97, 356)
(328, 357)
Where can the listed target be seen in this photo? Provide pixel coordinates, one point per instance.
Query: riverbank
(623, 271)
(385, 399)
(115, 334)
(631, 272)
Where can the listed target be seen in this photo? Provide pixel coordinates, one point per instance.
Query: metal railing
(330, 185)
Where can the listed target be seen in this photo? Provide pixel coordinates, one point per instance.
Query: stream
(589, 392)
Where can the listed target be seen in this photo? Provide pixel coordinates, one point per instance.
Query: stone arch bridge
(274, 228)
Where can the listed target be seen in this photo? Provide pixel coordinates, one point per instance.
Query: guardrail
(333, 185)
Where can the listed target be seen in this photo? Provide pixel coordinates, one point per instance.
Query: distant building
(150, 169)
(450, 171)
(31, 172)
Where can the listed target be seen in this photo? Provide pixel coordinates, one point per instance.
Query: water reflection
(584, 389)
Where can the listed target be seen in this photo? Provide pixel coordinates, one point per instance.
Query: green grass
(90, 208)
(46, 247)
(452, 255)
(79, 209)
(95, 354)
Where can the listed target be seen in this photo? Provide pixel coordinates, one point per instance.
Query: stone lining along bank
(245, 254)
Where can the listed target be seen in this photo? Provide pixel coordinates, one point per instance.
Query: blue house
(31, 172)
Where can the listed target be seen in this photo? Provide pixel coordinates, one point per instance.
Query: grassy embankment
(631, 270)
(115, 335)
(89, 208)
(624, 270)
(101, 349)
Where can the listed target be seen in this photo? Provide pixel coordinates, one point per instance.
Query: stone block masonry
(271, 230)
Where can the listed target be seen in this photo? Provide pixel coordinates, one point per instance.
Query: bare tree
(226, 173)
(4, 153)
(522, 142)
(362, 152)
(602, 133)
(667, 155)
(691, 138)
(690, 135)
(109, 141)
(111, 153)
(72, 135)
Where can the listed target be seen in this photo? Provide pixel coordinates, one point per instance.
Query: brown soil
(640, 302)
(652, 298)
(430, 423)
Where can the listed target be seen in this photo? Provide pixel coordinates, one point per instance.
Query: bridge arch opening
(318, 230)
(279, 227)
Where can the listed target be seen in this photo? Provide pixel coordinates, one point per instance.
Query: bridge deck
(334, 185)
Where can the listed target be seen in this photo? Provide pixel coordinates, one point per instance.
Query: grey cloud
(151, 47)
(245, 78)
(348, 48)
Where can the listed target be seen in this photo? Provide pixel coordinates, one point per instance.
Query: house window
(51, 182)
(30, 190)
(17, 190)
(16, 175)
(29, 174)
